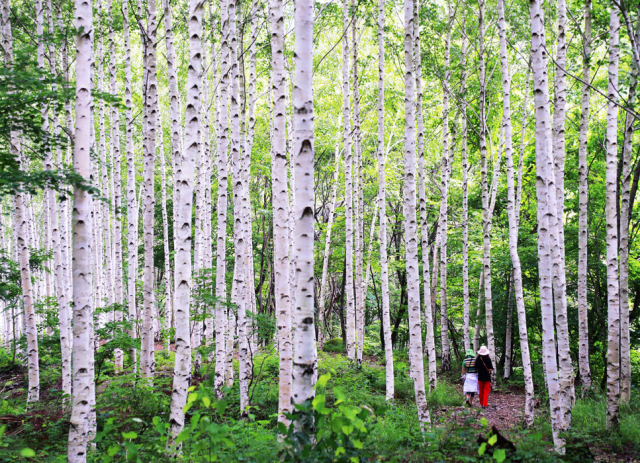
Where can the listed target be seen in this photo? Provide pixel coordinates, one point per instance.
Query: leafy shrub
(335, 345)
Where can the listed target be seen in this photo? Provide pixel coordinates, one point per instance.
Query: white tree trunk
(465, 199)
(348, 189)
(382, 200)
(147, 355)
(545, 194)
(411, 231)
(83, 366)
(557, 239)
(583, 213)
(613, 288)
(168, 298)
(240, 204)
(303, 319)
(132, 204)
(221, 321)
(430, 344)
(281, 211)
(625, 216)
(513, 223)
(183, 202)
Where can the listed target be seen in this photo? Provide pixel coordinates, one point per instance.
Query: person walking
(484, 367)
(470, 375)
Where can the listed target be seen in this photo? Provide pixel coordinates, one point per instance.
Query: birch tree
(382, 200)
(303, 319)
(583, 197)
(183, 203)
(613, 282)
(409, 210)
(83, 367)
(545, 208)
(513, 221)
(147, 355)
(348, 189)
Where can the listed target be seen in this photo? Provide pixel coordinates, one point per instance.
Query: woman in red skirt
(484, 367)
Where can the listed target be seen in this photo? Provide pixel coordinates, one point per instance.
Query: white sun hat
(483, 350)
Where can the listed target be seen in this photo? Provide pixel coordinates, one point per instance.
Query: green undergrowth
(352, 420)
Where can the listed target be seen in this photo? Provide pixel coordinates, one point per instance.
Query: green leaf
(206, 401)
(499, 455)
(27, 453)
(221, 406)
(482, 449)
(348, 412)
(358, 444)
(355, 460)
(113, 450)
(484, 422)
(347, 429)
(129, 435)
(323, 380)
(493, 439)
(339, 395)
(318, 402)
(340, 451)
(336, 424)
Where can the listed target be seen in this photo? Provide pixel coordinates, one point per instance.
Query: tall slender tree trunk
(21, 234)
(583, 208)
(409, 210)
(83, 365)
(147, 356)
(348, 189)
(487, 211)
(303, 320)
(546, 207)
(382, 200)
(183, 202)
(447, 158)
(613, 282)
(240, 205)
(281, 211)
(557, 238)
(430, 346)
(624, 242)
(465, 197)
(168, 298)
(513, 222)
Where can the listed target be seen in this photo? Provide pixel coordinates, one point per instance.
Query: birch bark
(221, 284)
(183, 202)
(465, 197)
(348, 189)
(83, 367)
(545, 208)
(557, 238)
(281, 211)
(382, 200)
(583, 208)
(513, 221)
(147, 356)
(409, 209)
(303, 320)
(613, 288)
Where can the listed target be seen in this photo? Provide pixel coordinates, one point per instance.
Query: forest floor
(394, 434)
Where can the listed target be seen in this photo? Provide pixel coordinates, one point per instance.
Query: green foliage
(335, 345)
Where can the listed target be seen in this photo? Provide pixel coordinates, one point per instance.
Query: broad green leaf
(27, 453)
(499, 455)
(484, 422)
(482, 449)
(323, 380)
(113, 450)
(358, 444)
(340, 451)
(493, 439)
(129, 435)
(348, 429)
(348, 412)
(339, 395)
(206, 401)
(336, 424)
(355, 460)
